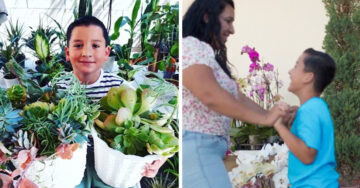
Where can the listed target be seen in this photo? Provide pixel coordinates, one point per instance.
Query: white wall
(280, 30)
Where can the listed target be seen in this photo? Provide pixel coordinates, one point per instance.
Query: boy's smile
(297, 74)
(87, 52)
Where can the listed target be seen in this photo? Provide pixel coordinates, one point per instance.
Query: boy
(311, 139)
(87, 49)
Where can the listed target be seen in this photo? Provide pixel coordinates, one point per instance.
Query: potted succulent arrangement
(131, 130)
(44, 132)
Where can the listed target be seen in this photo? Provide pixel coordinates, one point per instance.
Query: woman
(210, 95)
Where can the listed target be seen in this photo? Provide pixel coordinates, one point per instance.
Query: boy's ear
(308, 77)
(107, 52)
(67, 53)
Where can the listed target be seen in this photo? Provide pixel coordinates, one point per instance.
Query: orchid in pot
(262, 85)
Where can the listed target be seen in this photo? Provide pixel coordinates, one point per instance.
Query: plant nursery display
(44, 128)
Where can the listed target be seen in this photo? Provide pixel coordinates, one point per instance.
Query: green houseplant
(12, 50)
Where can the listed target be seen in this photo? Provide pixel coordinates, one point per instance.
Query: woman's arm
(297, 146)
(200, 80)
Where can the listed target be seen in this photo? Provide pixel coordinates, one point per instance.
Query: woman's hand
(277, 111)
(152, 169)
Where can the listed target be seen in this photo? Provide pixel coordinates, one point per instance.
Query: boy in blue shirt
(311, 138)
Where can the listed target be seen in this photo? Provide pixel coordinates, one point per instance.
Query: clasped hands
(281, 113)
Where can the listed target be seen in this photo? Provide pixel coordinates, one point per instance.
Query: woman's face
(226, 20)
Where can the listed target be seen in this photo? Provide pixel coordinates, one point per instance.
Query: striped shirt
(100, 88)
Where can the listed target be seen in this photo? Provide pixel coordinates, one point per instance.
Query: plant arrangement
(262, 85)
(129, 123)
(41, 127)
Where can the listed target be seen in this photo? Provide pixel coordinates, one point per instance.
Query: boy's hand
(288, 119)
(152, 169)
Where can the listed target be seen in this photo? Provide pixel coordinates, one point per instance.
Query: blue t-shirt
(313, 125)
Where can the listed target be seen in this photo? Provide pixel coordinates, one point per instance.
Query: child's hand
(288, 119)
(152, 169)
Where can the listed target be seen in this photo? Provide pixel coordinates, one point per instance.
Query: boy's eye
(96, 46)
(77, 45)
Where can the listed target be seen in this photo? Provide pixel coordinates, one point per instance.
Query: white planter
(115, 168)
(10, 82)
(59, 173)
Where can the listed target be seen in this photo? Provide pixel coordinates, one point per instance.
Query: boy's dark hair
(87, 21)
(209, 32)
(323, 67)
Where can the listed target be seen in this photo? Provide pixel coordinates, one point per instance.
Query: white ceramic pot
(10, 82)
(115, 168)
(57, 172)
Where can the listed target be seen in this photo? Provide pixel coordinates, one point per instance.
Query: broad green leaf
(42, 47)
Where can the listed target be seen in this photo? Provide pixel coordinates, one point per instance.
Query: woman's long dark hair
(209, 32)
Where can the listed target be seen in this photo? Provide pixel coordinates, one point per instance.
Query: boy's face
(87, 50)
(298, 76)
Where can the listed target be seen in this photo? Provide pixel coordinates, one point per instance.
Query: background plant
(343, 95)
(12, 50)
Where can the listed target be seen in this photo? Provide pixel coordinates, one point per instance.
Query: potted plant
(43, 138)
(163, 34)
(12, 51)
(262, 86)
(47, 65)
(133, 130)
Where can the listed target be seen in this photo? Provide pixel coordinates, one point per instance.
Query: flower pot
(10, 82)
(254, 141)
(56, 172)
(115, 168)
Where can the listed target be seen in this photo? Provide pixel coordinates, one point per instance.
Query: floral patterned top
(196, 116)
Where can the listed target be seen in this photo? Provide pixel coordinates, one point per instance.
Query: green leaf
(161, 65)
(173, 100)
(115, 36)
(42, 47)
(135, 13)
(174, 51)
